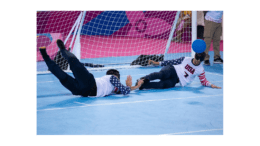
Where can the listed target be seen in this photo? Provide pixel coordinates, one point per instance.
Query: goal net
(113, 39)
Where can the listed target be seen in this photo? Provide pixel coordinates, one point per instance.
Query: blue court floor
(190, 110)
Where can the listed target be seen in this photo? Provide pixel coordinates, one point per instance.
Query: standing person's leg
(66, 80)
(216, 40)
(179, 26)
(209, 30)
(179, 30)
(81, 74)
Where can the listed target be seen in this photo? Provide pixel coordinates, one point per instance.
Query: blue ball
(199, 46)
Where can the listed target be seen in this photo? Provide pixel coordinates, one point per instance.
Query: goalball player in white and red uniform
(183, 70)
(84, 83)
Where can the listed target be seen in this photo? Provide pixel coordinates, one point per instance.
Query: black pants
(84, 82)
(168, 78)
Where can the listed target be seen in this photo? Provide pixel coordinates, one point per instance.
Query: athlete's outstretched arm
(124, 89)
(128, 82)
(205, 82)
(115, 82)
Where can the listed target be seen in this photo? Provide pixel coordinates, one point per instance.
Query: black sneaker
(60, 44)
(43, 51)
(206, 62)
(218, 60)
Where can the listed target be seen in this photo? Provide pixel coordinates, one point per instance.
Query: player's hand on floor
(140, 82)
(214, 86)
(150, 62)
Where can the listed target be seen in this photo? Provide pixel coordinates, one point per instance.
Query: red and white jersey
(187, 72)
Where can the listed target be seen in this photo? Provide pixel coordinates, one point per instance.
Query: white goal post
(114, 39)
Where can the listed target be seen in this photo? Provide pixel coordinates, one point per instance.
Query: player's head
(200, 56)
(113, 72)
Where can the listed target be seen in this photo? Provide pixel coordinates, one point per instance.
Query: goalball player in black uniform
(84, 83)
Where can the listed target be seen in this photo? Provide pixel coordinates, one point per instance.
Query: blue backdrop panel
(106, 23)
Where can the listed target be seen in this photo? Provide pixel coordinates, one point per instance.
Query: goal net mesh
(114, 38)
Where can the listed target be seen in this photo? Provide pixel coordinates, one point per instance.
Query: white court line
(193, 83)
(135, 75)
(193, 132)
(80, 103)
(122, 76)
(120, 103)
